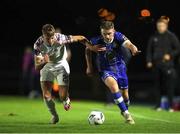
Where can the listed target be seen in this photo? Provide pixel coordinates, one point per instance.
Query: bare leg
(125, 95)
(64, 96)
(112, 84)
(46, 87)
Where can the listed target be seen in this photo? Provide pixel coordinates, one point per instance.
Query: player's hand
(135, 50)
(149, 65)
(46, 58)
(42, 59)
(89, 71)
(166, 57)
(97, 48)
(39, 59)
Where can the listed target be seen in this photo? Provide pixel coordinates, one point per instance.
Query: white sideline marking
(148, 118)
(151, 118)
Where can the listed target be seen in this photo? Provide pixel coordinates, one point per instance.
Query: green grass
(21, 115)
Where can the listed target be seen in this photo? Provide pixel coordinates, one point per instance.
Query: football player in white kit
(50, 59)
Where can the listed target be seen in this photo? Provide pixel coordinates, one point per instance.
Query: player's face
(108, 34)
(50, 40)
(161, 27)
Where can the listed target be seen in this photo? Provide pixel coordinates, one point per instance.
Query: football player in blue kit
(111, 65)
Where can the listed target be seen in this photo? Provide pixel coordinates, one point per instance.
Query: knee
(46, 88)
(114, 88)
(62, 96)
(46, 94)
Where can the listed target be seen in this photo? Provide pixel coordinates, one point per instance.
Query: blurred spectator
(177, 67)
(30, 77)
(162, 49)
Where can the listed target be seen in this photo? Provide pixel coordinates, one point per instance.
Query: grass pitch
(21, 115)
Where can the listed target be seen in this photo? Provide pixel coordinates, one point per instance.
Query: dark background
(21, 23)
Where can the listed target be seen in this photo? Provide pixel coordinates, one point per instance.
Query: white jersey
(57, 52)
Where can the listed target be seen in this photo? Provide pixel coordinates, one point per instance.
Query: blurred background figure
(30, 85)
(163, 48)
(177, 67)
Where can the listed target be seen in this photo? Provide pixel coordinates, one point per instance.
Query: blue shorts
(120, 77)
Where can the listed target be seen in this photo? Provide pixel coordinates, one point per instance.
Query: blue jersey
(110, 63)
(112, 58)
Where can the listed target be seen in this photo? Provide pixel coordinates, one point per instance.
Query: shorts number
(65, 78)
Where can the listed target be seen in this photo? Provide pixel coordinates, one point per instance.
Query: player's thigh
(63, 91)
(112, 84)
(46, 75)
(63, 82)
(63, 78)
(46, 87)
(46, 80)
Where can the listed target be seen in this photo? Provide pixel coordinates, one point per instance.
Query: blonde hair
(106, 25)
(48, 30)
(163, 19)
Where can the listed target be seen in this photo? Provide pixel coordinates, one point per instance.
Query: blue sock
(127, 102)
(118, 99)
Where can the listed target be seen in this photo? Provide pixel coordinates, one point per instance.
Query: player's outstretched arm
(87, 43)
(134, 50)
(94, 48)
(149, 53)
(78, 38)
(88, 56)
(64, 39)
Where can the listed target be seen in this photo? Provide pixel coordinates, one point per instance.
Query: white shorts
(59, 71)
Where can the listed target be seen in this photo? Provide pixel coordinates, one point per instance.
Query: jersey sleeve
(121, 38)
(36, 47)
(94, 41)
(64, 39)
